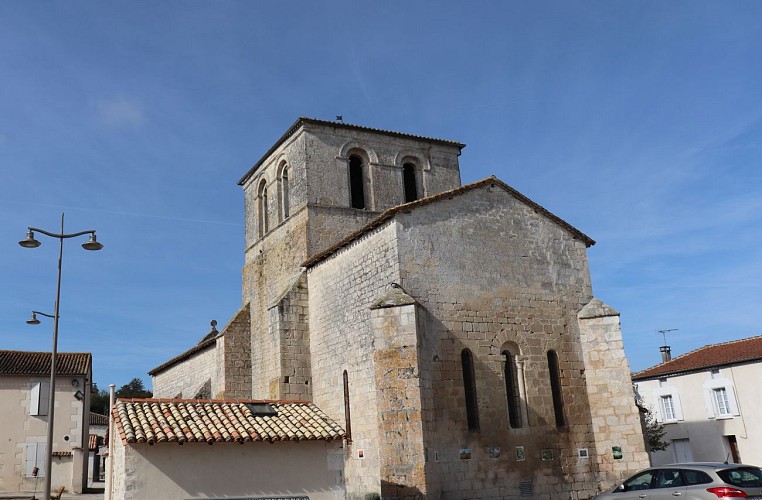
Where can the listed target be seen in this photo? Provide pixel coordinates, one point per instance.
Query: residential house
(24, 399)
(708, 402)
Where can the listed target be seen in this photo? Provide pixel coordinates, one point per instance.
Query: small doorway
(682, 450)
(733, 446)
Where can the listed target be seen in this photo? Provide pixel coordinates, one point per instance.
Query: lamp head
(29, 241)
(33, 320)
(92, 244)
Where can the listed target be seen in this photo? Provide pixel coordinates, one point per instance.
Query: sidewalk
(94, 492)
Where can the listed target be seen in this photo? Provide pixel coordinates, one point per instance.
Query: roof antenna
(339, 118)
(666, 351)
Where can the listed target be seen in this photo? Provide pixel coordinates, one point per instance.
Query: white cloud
(120, 112)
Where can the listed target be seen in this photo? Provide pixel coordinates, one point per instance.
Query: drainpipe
(110, 472)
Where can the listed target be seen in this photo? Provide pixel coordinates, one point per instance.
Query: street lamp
(30, 242)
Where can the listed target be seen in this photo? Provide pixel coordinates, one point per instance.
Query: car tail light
(726, 492)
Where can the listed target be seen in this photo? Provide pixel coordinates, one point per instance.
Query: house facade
(24, 397)
(707, 400)
(450, 329)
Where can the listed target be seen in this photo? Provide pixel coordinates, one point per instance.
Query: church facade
(451, 329)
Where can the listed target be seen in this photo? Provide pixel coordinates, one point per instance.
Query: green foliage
(372, 496)
(99, 402)
(654, 432)
(133, 389)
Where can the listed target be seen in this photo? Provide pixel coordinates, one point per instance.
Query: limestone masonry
(450, 329)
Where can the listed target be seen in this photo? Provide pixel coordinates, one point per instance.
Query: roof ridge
(675, 362)
(389, 213)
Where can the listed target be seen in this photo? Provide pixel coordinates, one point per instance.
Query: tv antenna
(665, 332)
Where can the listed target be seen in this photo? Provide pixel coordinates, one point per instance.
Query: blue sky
(640, 123)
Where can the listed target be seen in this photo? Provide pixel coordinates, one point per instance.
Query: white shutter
(658, 413)
(678, 407)
(732, 403)
(709, 403)
(35, 457)
(34, 407)
(40, 398)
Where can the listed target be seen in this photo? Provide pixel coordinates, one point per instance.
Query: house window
(409, 180)
(668, 408)
(555, 388)
(510, 372)
(720, 398)
(356, 182)
(283, 193)
(469, 385)
(722, 402)
(347, 418)
(39, 398)
(262, 208)
(34, 456)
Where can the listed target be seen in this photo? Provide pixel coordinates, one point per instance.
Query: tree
(134, 389)
(654, 431)
(99, 402)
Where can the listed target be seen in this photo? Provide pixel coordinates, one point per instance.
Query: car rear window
(696, 477)
(743, 477)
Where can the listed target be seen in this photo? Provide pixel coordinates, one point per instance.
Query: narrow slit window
(356, 182)
(469, 384)
(512, 390)
(555, 388)
(347, 417)
(262, 208)
(284, 193)
(410, 182)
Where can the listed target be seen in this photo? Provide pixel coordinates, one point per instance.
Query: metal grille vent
(525, 488)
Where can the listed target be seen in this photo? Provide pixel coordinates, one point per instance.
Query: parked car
(693, 481)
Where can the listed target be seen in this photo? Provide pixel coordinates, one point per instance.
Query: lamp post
(30, 242)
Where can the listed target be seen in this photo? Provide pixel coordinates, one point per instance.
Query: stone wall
(233, 353)
(342, 339)
(616, 419)
(185, 379)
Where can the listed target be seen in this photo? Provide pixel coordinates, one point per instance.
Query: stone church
(450, 329)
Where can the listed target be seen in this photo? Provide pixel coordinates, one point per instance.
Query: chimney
(666, 353)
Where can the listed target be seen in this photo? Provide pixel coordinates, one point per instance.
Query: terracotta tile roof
(381, 219)
(38, 363)
(98, 419)
(709, 356)
(92, 442)
(218, 421)
(303, 119)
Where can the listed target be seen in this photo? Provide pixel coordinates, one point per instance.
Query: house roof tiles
(709, 356)
(38, 363)
(218, 421)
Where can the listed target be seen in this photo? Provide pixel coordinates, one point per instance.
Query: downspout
(110, 472)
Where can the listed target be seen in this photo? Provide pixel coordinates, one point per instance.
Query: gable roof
(304, 120)
(489, 181)
(219, 421)
(709, 356)
(38, 363)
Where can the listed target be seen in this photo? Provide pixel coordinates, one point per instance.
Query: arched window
(469, 384)
(283, 200)
(510, 371)
(347, 419)
(409, 180)
(356, 182)
(555, 388)
(262, 208)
